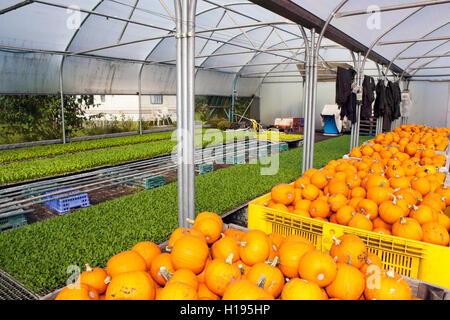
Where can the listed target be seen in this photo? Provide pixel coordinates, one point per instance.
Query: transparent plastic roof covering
(105, 46)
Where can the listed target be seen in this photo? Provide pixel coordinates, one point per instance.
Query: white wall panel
(286, 100)
(430, 103)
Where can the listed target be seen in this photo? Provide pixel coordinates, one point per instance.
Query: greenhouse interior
(224, 150)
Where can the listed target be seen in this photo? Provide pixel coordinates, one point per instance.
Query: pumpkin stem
(169, 248)
(337, 241)
(163, 272)
(261, 281)
(243, 243)
(107, 280)
(88, 268)
(390, 273)
(402, 220)
(415, 207)
(188, 220)
(241, 269)
(273, 262)
(229, 259)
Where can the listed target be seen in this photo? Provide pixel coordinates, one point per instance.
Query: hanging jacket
(368, 89)
(397, 99)
(345, 98)
(380, 101)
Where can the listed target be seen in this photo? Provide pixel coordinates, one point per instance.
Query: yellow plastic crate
(415, 259)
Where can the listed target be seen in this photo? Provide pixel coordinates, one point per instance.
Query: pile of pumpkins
(392, 185)
(206, 262)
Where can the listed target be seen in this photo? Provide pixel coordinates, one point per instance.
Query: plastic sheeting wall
(431, 104)
(280, 100)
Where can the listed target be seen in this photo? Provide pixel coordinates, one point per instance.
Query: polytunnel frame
(185, 36)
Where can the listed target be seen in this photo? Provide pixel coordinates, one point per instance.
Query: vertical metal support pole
(315, 58)
(140, 99)
(190, 124)
(62, 101)
(308, 107)
(233, 101)
(180, 117)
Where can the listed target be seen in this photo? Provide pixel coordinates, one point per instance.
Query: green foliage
(58, 149)
(38, 255)
(224, 125)
(39, 117)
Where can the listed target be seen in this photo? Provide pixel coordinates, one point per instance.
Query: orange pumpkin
(225, 246)
(349, 283)
(77, 291)
(319, 179)
(162, 260)
(148, 250)
(310, 192)
(444, 221)
(95, 278)
(423, 214)
(337, 201)
(126, 261)
(349, 246)
(220, 273)
(211, 228)
(368, 207)
(283, 193)
(319, 208)
(389, 286)
(274, 279)
(407, 228)
(371, 260)
(234, 233)
(181, 275)
(254, 247)
(245, 290)
(290, 254)
(301, 289)
(435, 233)
(391, 211)
(317, 266)
(345, 214)
(178, 291)
(181, 232)
(137, 285)
(361, 221)
(205, 294)
(189, 252)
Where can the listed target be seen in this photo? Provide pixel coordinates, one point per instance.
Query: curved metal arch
(414, 43)
(427, 63)
(383, 34)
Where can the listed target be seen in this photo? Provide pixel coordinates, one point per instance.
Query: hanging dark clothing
(381, 105)
(345, 98)
(396, 96)
(368, 89)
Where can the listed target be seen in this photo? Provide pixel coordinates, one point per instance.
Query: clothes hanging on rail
(368, 90)
(395, 98)
(381, 106)
(345, 98)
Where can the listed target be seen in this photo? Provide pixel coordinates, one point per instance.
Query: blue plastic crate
(71, 200)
